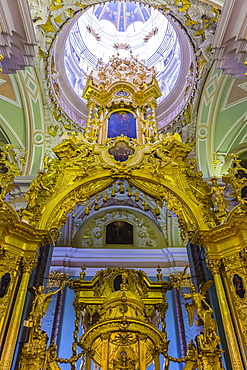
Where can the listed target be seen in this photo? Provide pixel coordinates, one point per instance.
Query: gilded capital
(28, 264)
(214, 265)
(56, 279)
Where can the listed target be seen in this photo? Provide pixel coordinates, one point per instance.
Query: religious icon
(122, 123)
(238, 285)
(4, 284)
(121, 151)
(119, 232)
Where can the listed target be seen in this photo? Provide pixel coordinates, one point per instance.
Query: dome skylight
(122, 14)
(118, 29)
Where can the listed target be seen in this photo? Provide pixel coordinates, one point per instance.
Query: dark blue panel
(122, 122)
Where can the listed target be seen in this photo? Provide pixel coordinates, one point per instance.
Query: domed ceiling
(121, 29)
(121, 15)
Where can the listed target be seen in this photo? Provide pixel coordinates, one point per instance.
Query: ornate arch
(81, 170)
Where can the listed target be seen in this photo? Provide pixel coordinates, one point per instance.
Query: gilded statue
(40, 305)
(191, 357)
(37, 186)
(217, 193)
(208, 341)
(34, 353)
(198, 304)
(124, 363)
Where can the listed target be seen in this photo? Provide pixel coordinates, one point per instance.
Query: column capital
(56, 279)
(28, 264)
(214, 265)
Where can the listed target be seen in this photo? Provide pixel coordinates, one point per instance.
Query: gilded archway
(81, 170)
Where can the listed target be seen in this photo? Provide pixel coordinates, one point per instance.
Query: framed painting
(121, 151)
(122, 123)
(119, 232)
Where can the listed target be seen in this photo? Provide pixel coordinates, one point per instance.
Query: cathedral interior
(123, 185)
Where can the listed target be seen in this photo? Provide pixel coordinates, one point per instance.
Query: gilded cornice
(19, 237)
(224, 240)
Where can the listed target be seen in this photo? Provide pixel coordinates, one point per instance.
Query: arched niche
(93, 231)
(21, 101)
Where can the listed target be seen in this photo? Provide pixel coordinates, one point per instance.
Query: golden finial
(121, 188)
(159, 274)
(124, 285)
(82, 273)
(96, 204)
(113, 193)
(156, 210)
(87, 210)
(129, 193)
(105, 197)
(145, 204)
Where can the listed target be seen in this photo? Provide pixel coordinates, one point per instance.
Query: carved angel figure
(40, 305)
(198, 304)
(217, 193)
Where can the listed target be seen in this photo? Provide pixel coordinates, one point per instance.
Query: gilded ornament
(8, 171)
(183, 5)
(28, 264)
(48, 27)
(217, 193)
(39, 306)
(214, 265)
(56, 279)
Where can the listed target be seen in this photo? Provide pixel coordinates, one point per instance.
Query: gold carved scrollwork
(9, 265)
(235, 270)
(8, 171)
(80, 171)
